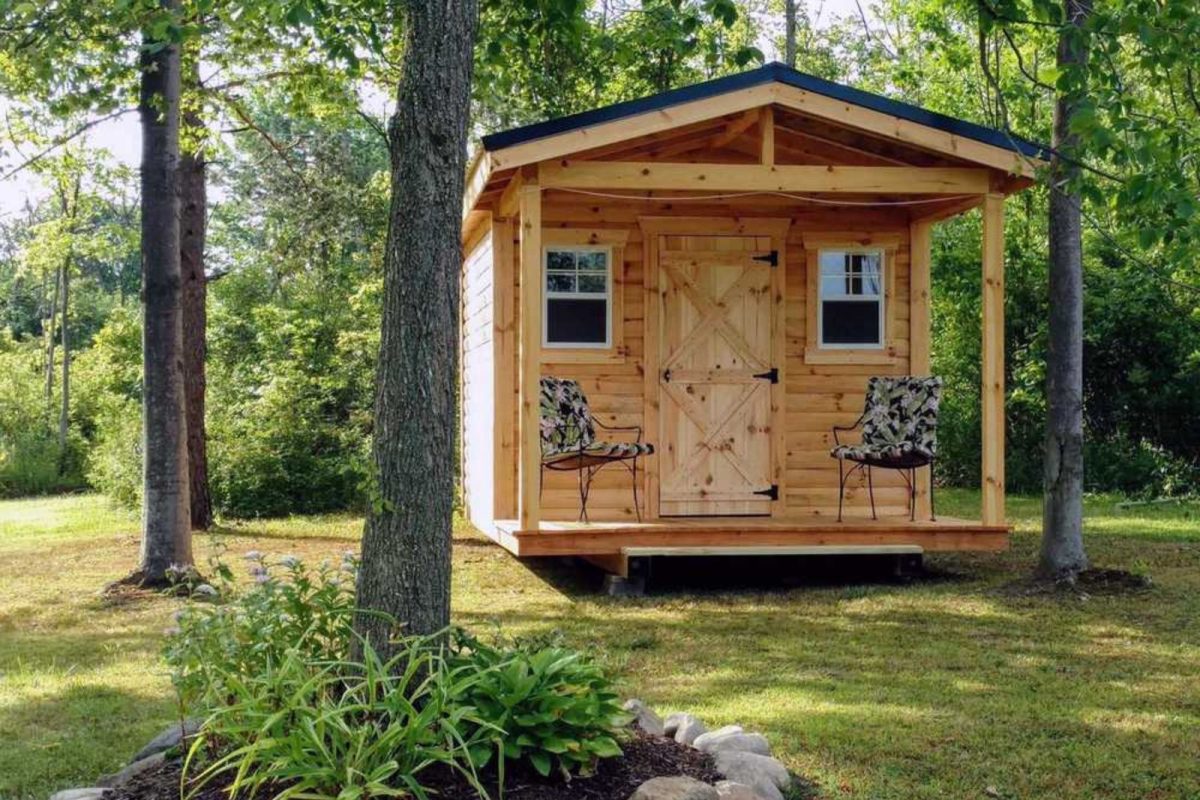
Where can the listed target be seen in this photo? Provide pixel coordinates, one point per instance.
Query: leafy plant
(289, 611)
(340, 730)
(555, 706)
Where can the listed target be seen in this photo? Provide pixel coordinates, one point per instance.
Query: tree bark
(789, 33)
(1062, 553)
(51, 341)
(405, 568)
(166, 532)
(192, 228)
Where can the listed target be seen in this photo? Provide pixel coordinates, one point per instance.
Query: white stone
(724, 731)
(766, 776)
(644, 717)
(689, 730)
(746, 742)
(728, 790)
(170, 737)
(136, 768)
(672, 722)
(88, 793)
(678, 788)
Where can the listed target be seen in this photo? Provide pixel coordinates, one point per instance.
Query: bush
(555, 707)
(288, 711)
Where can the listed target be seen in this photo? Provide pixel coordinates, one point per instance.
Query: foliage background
(299, 181)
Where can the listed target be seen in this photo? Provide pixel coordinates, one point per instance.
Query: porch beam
(993, 360)
(638, 175)
(529, 472)
(766, 155)
(920, 244)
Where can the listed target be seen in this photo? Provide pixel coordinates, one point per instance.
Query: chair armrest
(634, 428)
(847, 428)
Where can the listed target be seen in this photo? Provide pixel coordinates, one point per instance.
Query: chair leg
(582, 494)
(871, 492)
(932, 512)
(841, 486)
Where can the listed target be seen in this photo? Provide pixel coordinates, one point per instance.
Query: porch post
(529, 508)
(920, 242)
(992, 377)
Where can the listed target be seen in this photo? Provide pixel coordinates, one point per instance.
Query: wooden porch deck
(729, 535)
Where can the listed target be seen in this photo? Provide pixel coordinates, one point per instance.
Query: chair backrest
(902, 409)
(566, 422)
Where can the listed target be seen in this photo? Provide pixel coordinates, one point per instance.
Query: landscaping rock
(88, 793)
(766, 776)
(170, 737)
(672, 722)
(745, 742)
(644, 717)
(689, 730)
(728, 790)
(136, 768)
(677, 788)
(723, 731)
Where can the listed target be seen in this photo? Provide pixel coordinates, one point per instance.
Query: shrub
(556, 707)
(309, 729)
(291, 611)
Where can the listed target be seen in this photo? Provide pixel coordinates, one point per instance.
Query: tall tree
(166, 513)
(193, 220)
(789, 32)
(406, 546)
(1062, 553)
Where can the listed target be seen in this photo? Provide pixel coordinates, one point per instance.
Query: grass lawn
(942, 688)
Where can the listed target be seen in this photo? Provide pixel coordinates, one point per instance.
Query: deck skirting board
(740, 535)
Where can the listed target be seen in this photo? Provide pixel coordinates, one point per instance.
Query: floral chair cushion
(567, 429)
(899, 419)
(566, 422)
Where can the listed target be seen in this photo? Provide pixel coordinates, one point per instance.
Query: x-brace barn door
(717, 366)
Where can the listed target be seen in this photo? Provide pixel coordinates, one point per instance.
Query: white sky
(122, 139)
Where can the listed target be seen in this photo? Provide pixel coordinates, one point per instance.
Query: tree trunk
(166, 532)
(51, 340)
(1062, 553)
(405, 568)
(789, 33)
(65, 409)
(193, 212)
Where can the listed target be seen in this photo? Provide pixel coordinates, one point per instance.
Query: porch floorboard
(554, 538)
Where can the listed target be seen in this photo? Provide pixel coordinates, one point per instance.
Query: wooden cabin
(750, 181)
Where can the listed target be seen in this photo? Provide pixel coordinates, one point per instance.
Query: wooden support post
(504, 350)
(767, 138)
(530, 458)
(993, 360)
(920, 242)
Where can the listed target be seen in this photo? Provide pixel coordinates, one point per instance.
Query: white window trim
(882, 299)
(547, 296)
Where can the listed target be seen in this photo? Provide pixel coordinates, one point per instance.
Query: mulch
(645, 757)
(1095, 581)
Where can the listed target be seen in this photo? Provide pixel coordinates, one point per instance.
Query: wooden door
(716, 372)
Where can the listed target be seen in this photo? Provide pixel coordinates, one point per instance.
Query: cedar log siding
(818, 396)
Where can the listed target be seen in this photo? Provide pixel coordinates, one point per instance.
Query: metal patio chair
(899, 431)
(568, 435)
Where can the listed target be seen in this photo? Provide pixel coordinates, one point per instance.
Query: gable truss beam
(643, 176)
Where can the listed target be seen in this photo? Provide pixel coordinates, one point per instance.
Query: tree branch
(62, 140)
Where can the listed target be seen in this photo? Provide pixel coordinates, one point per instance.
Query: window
(578, 297)
(851, 313)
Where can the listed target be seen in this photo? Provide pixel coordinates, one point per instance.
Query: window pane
(592, 259)
(833, 262)
(560, 282)
(596, 282)
(570, 321)
(560, 259)
(850, 322)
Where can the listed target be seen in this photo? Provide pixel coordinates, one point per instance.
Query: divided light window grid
(851, 302)
(577, 297)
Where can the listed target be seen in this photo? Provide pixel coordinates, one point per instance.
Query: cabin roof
(774, 72)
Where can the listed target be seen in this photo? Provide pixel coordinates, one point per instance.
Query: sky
(122, 139)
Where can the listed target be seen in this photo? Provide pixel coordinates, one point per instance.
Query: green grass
(946, 688)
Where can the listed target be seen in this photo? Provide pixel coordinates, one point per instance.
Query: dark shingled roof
(767, 73)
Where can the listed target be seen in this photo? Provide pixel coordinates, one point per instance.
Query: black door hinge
(667, 375)
(771, 375)
(771, 258)
(772, 493)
